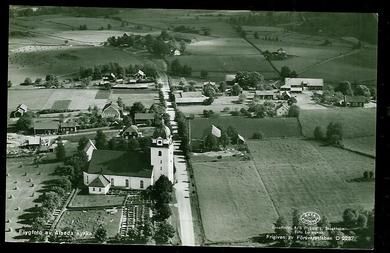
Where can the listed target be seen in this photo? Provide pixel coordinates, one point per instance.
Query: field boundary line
(265, 187)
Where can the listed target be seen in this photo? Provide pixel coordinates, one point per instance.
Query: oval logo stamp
(310, 218)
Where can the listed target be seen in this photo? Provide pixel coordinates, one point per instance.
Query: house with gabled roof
(111, 110)
(45, 126)
(130, 169)
(88, 149)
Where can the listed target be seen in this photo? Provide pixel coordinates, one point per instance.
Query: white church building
(130, 169)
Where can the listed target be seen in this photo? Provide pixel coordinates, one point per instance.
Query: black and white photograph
(191, 127)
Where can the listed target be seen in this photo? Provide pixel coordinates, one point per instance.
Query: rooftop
(303, 81)
(46, 124)
(144, 116)
(230, 77)
(264, 92)
(100, 181)
(121, 163)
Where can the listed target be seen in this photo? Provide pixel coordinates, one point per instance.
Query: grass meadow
(356, 122)
(310, 177)
(270, 127)
(234, 204)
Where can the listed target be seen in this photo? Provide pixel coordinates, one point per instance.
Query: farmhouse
(189, 98)
(300, 84)
(46, 127)
(131, 132)
(176, 52)
(282, 110)
(131, 169)
(265, 94)
(354, 101)
(68, 127)
(20, 110)
(140, 75)
(111, 110)
(32, 142)
(143, 118)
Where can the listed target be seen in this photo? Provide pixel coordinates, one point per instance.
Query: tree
(133, 144)
(233, 134)
(163, 211)
(60, 191)
(318, 133)
(60, 151)
(345, 88)
(204, 74)
(334, 132)
(164, 233)
(100, 140)
(224, 140)
(64, 183)
(182, 46)
(257, 135)
(256, 35)
(101, 234)
(137, 107)
(9, 84)
(211, 142)
(109, 26)
(27, 81)
(209, 90)
(82, 143)
(350, 217)
(24, 123)
(44, 212)
(280, 226)
(293, 111)
(249, 79)
(241, 98)
(236, 90)
(51, 200)
(362, 90)
(222, 86)
(133, 234)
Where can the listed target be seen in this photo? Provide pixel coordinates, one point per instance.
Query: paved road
(182, 185)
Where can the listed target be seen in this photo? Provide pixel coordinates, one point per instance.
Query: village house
(20, 111)
(140, 75)
(131, 132)
(354, 101)
(282, 110)
(176, 52)
(131, 169)
(265, 94)
(68, 127)
(297, 85)
(189, 98)
(46, 127)
(144, 118)
(111, 110)
(32, 142)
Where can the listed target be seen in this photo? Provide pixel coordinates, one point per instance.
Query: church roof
(100, 181)
(120, 163)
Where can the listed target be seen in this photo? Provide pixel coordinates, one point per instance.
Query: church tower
(161, 154)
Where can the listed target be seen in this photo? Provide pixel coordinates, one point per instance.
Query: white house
(140, 75)
(111, 110)
(176, 52)
(131, 169)
(282, 110)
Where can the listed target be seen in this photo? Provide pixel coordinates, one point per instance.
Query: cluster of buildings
(137, 81)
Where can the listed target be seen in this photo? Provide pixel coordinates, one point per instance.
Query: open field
(304, 175)
(89, 220)
(77, 99)
(270, 127)
(363, 144)
(61, 104)
(96, 200)
(356, 122)
(17, 208)
(220, 47)
(233, 201)
(360, 66)
(128, 97)
(39, 63)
